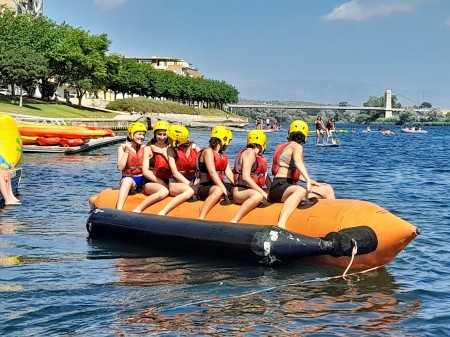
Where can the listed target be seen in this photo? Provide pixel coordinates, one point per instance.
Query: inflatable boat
(10, 150)
(63, 131)
(339, 232)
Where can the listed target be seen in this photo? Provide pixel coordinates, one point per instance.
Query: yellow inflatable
(10, 142)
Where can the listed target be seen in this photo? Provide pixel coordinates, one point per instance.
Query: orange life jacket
(187, 165)
(160, 166)
(133, 166)
(258, 171)
(295, 174)
(220, 163)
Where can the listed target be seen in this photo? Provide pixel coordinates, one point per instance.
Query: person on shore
(6, 187)
(155, 167)
(288, 168)
(250, 175)
(129, 160)
(213, 166)
(319, 130)
(330, 128)
(182, 156)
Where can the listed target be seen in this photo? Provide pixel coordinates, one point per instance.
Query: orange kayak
(390, 233)
(63, 131)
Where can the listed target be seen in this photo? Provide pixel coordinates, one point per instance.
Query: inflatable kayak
(63, 131)
(325, 232)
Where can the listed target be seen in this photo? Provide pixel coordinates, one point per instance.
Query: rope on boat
(354, 251)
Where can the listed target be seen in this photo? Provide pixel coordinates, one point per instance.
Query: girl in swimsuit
(250, 169)
(182, 157)
(129, 161)
(156, 186)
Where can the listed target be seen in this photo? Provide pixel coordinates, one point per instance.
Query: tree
(82, 64)
(425, 105)
(23, 66)
(409, 115)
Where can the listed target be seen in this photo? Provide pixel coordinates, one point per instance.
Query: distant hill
(333, 92)
(317, 92)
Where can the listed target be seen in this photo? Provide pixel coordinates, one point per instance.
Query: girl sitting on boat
(182, 156)
(213, 166)
(129, 161)
(250, 175)
(288, 168)
(155, 167)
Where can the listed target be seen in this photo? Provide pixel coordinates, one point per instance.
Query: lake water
(54, 281)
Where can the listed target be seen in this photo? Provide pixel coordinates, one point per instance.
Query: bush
(146, 105)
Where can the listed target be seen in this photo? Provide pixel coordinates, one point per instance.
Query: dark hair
(214, 141)
(297, 137)
(251, 146)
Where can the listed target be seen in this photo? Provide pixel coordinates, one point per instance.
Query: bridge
(388, 110)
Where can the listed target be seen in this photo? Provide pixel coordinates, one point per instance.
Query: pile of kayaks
(60, 135)
(339, 232)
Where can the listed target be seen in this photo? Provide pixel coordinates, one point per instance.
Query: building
(24, 6)
(178, 66)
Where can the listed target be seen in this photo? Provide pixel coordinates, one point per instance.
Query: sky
(320, 51)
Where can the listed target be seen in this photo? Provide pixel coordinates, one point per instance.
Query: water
(54, 281)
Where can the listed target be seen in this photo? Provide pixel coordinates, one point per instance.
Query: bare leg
(181, 193)
(249, 199)
(291, 198)
(215, 193)
(126, 184)
(156, 193)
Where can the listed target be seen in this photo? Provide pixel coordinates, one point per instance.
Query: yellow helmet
(178, 134)
(299, 126)
(136, 127)
(160, 125)
(222, 133)
(257, 137)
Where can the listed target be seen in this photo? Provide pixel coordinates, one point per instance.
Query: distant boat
(413, 130)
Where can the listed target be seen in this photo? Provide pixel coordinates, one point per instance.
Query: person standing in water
(319, 130)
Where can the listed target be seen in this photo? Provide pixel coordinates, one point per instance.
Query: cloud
(109, 4)
(365, 10)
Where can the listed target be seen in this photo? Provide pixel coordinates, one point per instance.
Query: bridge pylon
(388, 103)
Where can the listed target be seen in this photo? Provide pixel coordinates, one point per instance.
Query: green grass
(38, 108)
(34, 107)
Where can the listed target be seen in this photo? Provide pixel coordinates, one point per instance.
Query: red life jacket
(160, 166)
(330, 125)
(258, 172)
(187, 165)
(295, 174)
(220, 163)
(133, 166)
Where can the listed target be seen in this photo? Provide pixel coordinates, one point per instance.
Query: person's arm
(248, 158)
(173, 167)
(146, 171)
(208, 157)
(297, 152)
(122, 156)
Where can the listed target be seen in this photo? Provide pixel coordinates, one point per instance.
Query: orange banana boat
(376, 234)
